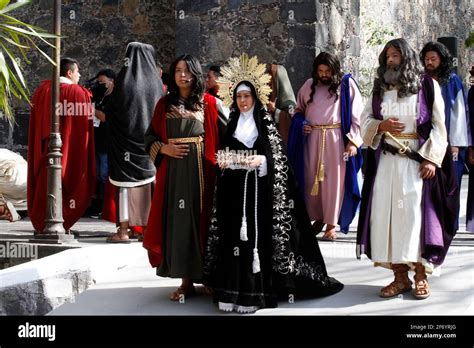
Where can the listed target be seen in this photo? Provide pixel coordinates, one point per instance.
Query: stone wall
(418, 21)
(289, 32)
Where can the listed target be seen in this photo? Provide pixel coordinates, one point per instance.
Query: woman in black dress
(260, 246)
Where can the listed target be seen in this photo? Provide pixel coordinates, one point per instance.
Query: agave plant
(16, 37)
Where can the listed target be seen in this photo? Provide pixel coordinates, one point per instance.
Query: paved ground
(135, 289)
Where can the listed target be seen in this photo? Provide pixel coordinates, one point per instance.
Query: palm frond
(16, 39)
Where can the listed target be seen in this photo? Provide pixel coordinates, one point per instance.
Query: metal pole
(54, 230)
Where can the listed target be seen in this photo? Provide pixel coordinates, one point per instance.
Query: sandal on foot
(182, 291)
(329, 236)
(116, 238)
(422, 289)
(395, 288)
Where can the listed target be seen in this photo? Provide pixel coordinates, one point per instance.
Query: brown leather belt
(395, 151)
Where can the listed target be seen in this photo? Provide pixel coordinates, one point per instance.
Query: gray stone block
(41, 296)
(233, 5)
(20, 129)
(322, 35)
(267, 2)
(355, 8)
(276, 29)
(92, 27)
(354, 46)
(187, 36)
(71, 14)
(336, 26)
(270, 16)
(117, 27)
(45, 5)
(299, 63)
(303, 34)
(300, 12)
(5, 137)
(196, 7)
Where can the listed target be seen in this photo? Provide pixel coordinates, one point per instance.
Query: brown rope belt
(320, 170)
(198, 141)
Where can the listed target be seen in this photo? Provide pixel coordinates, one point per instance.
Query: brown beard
(433, 73)
(326, 82)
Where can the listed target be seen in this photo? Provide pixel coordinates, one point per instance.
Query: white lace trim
(229, 307)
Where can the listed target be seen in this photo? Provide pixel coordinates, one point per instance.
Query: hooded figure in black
(260, 245)
(137, 90)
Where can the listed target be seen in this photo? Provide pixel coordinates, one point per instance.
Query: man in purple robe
(408, 207)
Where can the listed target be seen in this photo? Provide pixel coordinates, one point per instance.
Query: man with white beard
(409, 195)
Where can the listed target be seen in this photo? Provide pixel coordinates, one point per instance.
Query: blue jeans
(102, 169)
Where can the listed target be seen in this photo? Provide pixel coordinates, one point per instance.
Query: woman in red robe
(182, 141)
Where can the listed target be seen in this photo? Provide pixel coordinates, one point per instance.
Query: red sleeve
(158, 116)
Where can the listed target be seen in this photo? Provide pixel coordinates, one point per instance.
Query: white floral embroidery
(283, 260)
(212, 243)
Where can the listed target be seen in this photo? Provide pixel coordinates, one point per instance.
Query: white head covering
(243, 87)
(246, 131)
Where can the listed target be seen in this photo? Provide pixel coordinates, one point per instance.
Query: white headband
(243, 87)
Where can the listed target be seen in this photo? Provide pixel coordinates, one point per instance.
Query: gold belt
(405, 135)
(320, 170)
(198, 141)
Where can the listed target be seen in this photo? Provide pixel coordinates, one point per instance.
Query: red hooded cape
(78, 161)
(153, 239)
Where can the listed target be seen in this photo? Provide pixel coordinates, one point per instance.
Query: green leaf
(3, 4)
(15, 6)
(22, 91)
(13, 42)
(44, 54)
(15, 64)
(16, 38)
(4, 70)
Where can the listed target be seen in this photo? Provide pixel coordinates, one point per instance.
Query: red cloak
(78, 160)
(153, 239)
(109, 207)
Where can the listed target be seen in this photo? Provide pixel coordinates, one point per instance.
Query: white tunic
(13, 174)
(395, 223)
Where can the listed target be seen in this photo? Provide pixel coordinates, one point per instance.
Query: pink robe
(324, 110)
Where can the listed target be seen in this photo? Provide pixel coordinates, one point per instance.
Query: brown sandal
(400, 285)
(422, 288)
(118, 238)
(330, 235)
(182, 292)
